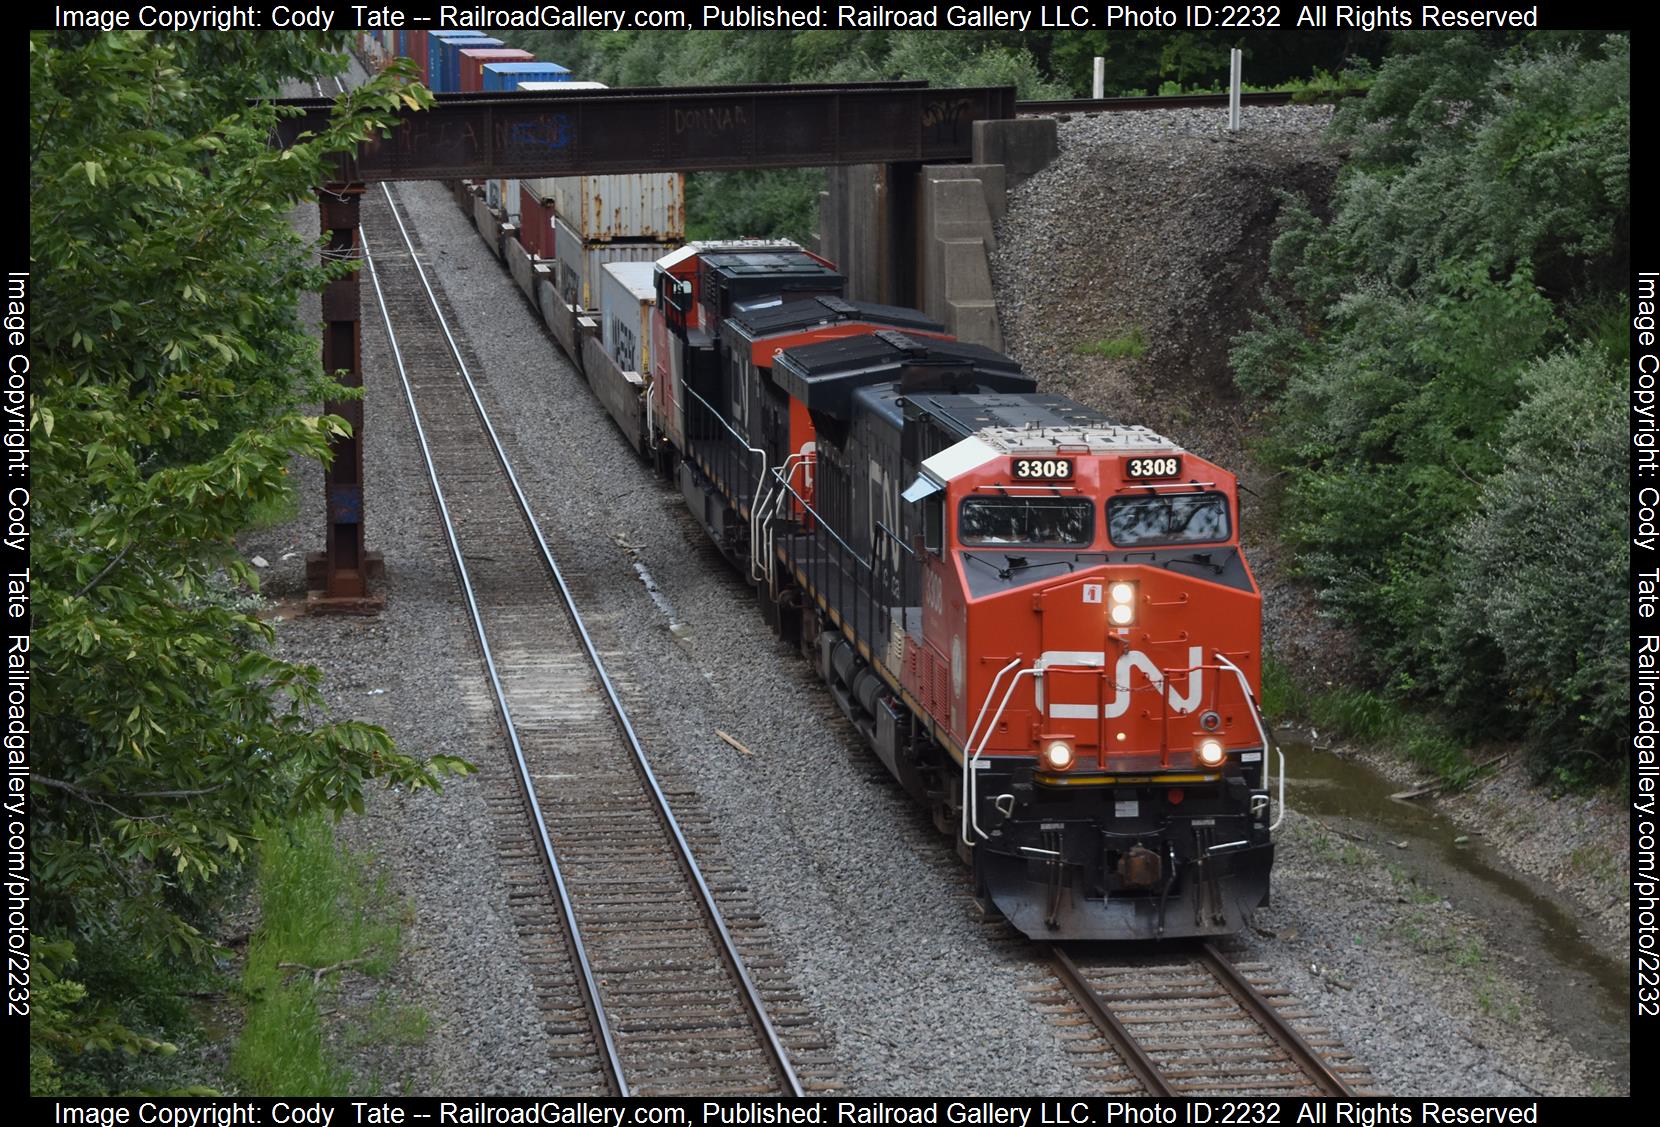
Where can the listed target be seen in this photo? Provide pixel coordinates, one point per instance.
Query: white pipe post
(1100, 87)
(1236, 64)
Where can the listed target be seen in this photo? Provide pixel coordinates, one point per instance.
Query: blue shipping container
(507, 76)
(452, 57)
(440, 73)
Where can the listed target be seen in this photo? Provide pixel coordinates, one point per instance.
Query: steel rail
(591, 996)
(688, 862)
(1095, 1008)
(1253, 1002)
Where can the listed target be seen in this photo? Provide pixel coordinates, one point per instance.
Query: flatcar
(1040, 619)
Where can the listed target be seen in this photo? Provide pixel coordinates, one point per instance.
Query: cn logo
(1133, 662)
(1092, 592)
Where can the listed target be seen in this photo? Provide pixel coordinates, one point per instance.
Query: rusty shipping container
(626, 296)
(638, 205)
(580, 261)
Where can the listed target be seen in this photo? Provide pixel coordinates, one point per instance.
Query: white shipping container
(580, 262)
(510, 200)
(635, 205)
(625, 300)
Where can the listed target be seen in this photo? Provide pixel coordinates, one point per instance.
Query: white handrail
(771, 500)
(971, 781)
(1262, 731)
(764, 496)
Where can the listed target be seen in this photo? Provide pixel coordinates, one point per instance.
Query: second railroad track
(640, 979)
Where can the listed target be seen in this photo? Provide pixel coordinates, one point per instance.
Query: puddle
(1584, 996)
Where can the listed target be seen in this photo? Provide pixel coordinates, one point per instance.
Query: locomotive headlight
(1121, 600)
(1211, 753)
(1057, 755)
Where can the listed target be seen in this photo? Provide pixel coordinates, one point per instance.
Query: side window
(933, 523)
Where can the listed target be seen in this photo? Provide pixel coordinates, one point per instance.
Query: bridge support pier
(338, 577)
(922, 235)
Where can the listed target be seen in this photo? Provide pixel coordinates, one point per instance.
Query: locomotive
(1040, 620)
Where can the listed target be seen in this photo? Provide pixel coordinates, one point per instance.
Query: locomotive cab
(1114, 774)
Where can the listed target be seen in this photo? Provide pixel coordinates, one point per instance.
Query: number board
(1043, 469)
(1162, 467)
(1168, 465)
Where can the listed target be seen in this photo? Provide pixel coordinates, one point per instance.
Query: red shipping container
(535, 222)
(472, 64)
(418, 52)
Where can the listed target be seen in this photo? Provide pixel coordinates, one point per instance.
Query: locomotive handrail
(1262, 730)
(760, 478)
(971, 781)
(760, 538)
(852, 551)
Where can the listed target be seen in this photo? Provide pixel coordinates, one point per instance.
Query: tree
(168, 367)
(1418, 350)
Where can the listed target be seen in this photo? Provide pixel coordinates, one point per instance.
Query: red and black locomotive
(1040, 620)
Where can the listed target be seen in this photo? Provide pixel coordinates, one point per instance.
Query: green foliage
(167, 368)
(318, 910)
(1542, 567)
(776, 202)
(1128, 346)
(65, 1025)
(1404, 354)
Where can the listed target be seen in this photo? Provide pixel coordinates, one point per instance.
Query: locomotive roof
(706, 246)
(1016, 423)
(748, 263)
(768, 320)
(825, 375)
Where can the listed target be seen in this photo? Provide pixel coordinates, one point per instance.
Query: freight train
(1039, 619)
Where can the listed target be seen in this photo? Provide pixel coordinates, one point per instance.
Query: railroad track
(1194, 1024)
(639, 978)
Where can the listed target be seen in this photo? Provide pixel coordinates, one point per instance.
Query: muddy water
(1583, 995)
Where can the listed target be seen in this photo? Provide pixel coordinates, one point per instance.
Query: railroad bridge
(917, 178)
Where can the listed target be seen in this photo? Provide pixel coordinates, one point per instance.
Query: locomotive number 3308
(1043, 469)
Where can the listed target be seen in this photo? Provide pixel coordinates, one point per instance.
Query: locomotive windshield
(1041, 522)
(1171, 518)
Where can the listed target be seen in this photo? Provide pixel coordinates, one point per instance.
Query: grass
(318, 908)
(1129, 346)
(1363, 716)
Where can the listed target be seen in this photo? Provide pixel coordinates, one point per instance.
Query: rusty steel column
(339, 575)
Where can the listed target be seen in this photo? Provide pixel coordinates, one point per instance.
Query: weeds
(321, 917)
(1129, 346)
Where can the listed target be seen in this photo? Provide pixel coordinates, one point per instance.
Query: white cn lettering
(1180, 702)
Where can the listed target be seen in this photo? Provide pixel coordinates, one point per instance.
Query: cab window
(1033, 522)
(1168, 518)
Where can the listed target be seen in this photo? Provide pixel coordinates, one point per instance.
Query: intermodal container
(507, 76)
(418, 42)
(580, 261)
(441, 67)
(633, 205)
(474, 58)
(535, 221)
(625, 300)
